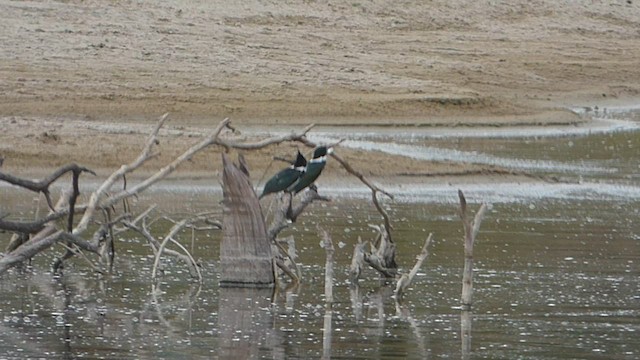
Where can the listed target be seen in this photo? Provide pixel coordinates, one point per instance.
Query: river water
(557, 266)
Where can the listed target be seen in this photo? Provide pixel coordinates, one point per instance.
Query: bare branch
(285, 212)
(42, 186)
(405, 281)
(477, 220)
(357, 261)
(170, 237)
(471, 229)
(361, 177)
(120, 173)
(41, 241)
(463, 206)
(30, 227)
(327, 244)
(387, 222)
(294, 136)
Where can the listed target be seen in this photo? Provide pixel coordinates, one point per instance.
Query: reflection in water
(403, 312)
(245, 322)
(465, 333)
(356, 301)
(557, 278)
(327, 331)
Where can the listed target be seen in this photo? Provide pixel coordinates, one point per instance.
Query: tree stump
(245, 251)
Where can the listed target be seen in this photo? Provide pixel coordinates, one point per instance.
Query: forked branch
(471, 228)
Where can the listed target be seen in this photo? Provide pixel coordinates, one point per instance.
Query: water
(556, 273)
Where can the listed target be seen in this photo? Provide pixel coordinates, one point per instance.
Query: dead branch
(295, 278)
(294, 136)
(327, 244)
(102, 190)
(286, 259)
(17, 239)
(40, 242)
(382, 258)
(471, 228)
(30, 227)
(210, 139)
(170, 237)
(283, 217)
(102, 200)
(42, 186)
(385, 216)
(155, 245)
(373, 187)
(357, 261)
(405, 280)
(286, 214)
(292, 255)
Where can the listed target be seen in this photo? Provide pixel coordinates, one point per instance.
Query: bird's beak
(330, 150)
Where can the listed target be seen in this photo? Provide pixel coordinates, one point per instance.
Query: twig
(122, 171)
(405, 280)
(357, 261)
(42, 186)
(169, 237)
(41, 241)
(471, 229)
(382, 258)
(327, 244)
(387, 223)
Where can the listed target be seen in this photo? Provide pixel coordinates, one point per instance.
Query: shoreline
(123, 140)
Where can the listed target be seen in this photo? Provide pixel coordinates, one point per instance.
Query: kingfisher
(313, 170)
(286, 177)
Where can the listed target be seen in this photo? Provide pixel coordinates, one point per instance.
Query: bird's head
(301, 162)
(321, 151)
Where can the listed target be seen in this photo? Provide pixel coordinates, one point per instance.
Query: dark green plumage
(314, 168)
(285, 178)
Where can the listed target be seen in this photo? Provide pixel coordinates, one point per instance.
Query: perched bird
(286, 177)
(314, 168)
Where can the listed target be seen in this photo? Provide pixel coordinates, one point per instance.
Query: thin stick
(327, 244)
(405, 280)
(471, 229)
(357, 261)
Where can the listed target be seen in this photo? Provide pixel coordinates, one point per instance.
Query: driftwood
(382, 255)
(284, 215)
(405, 280)
(471, 228)
(104, 199)
(43, 185)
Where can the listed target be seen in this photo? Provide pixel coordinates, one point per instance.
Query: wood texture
(246, 259)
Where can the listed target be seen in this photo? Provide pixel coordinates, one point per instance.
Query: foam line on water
(440, 154)
(600, 125)
(506, 192)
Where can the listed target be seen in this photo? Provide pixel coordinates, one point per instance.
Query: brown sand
(84, 80)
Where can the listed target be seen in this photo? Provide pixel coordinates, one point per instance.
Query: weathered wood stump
(245, 251)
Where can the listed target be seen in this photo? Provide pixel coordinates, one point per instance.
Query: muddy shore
(84, 81)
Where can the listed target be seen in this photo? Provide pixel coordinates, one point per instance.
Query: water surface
(557, 271)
